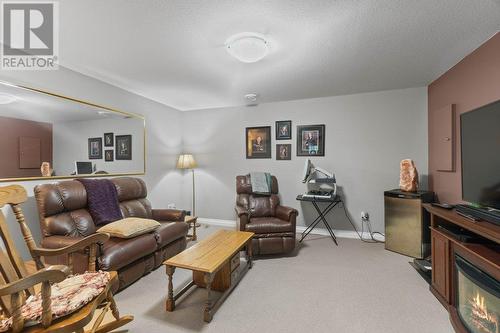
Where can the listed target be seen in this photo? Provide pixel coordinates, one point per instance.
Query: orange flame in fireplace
(479, 300)
(481, 318)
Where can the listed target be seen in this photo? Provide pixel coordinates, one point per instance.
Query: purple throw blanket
(102, 200)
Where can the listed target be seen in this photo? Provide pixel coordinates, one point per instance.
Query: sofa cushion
(170, 231)
(129, 227)
(262, 206)
(119, 252)
(261, 225)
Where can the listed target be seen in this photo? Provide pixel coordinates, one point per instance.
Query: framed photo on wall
(283, 152)
(95, 148)
(109, 140)
(311, 140)
(123, 147)
(283, 130)
(258, 142)
(109, 155)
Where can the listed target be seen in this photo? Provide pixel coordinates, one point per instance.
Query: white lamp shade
(186, 161)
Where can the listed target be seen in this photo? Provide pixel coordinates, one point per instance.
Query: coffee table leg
(170, 298)
(207, 315)
(249, 254)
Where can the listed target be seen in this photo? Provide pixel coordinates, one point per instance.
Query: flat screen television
(480, 143)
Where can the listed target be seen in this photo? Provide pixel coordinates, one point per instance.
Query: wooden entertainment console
(484, 253)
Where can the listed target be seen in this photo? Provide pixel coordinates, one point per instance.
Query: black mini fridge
(407, 223)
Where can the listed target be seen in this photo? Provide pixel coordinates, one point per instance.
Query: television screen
(480, 137)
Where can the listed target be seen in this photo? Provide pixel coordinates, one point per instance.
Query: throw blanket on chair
(102, 200)
(261, 183)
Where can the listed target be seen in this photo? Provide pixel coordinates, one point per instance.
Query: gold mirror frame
(129, 114)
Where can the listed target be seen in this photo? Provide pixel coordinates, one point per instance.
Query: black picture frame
(109, 139)
(109, 155)
(258, 142)
(123, 147)
(95, 148)
(283, 152)
(311, 140)
(283, 130)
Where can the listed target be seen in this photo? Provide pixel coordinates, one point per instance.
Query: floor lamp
(186, 161)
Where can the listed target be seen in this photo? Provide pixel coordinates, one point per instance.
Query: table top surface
(190, 219)
(212, 252)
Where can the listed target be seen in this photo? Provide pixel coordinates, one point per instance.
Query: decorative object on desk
(109, 155)
(283, 152)
(186, 161)
(95, 148)
(311, 140)
(284, 130)
(45, 169)
(109, 139)
(123, 147)
(258, 142)
(408, 176)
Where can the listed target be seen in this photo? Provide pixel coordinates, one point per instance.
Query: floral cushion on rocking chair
(66, 297)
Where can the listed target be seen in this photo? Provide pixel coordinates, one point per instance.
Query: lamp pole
(194, 204)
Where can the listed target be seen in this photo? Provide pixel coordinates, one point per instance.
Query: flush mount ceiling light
(7, 99)
(247, 47)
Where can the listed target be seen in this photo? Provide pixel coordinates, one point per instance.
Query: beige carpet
(355, 287)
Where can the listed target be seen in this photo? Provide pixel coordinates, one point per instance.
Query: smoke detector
(251, 98)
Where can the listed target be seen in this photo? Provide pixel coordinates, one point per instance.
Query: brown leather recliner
(64, 219)
(273, 224)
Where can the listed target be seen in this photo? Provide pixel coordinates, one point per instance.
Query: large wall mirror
(44, 135)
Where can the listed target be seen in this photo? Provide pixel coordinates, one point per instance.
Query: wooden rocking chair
(16, 284)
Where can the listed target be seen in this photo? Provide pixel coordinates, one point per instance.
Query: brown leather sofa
(64, 219)
(273, 224)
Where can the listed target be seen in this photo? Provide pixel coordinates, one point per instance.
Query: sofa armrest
(176, 215)
(286, 213)
(241, 211)
(243, 217)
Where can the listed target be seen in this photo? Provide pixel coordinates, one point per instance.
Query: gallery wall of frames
(310, 141)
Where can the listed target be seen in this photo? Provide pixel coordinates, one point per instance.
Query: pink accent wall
(473, 82)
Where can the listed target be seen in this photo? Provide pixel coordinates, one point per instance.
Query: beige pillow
(129, 227)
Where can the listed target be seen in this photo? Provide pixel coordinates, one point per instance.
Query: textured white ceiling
(172, 51)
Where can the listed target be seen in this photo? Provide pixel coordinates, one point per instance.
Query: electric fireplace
(477, 298)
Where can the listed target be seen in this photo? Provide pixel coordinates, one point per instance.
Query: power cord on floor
(372, 238)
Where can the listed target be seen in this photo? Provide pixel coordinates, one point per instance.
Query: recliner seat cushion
(119, 252)
(262, 225)
(168, 232)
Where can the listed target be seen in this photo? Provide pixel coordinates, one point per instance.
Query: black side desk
(321, 214)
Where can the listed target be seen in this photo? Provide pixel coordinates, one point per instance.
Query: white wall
(163, 127)
(367, 135)
(70, 144)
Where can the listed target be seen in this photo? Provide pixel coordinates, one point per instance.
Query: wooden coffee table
(215, 262)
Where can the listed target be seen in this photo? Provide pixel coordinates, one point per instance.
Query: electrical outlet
(171, 206)
(365, 216)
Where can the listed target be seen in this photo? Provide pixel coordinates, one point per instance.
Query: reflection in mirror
(45, 135)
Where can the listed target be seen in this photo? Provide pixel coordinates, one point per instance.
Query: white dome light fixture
(7, 98)
(247, 47)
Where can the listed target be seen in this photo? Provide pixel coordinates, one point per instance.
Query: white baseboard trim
(300, 229)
